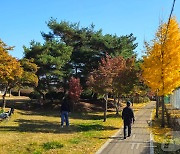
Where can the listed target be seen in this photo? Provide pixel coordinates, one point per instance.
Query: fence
(175, 98)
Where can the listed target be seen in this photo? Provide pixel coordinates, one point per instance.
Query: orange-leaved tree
(161, 66)
(10, 69)
(29, 77)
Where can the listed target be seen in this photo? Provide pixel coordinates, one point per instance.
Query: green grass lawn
(39, 132)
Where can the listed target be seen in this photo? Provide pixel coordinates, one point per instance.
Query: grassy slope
(39, 132)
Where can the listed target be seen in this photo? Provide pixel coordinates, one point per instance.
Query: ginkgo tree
(14, 72)
(10, 69)
(161, 66)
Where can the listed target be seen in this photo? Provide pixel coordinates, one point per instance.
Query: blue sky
(22, 20)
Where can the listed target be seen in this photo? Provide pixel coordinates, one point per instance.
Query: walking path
(140, 140)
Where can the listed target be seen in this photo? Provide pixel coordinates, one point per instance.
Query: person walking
(128, 118)
(65, 109)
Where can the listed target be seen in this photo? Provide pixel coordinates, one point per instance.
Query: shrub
(52, 145)
(86, 94)
(51, 95)
(54, 95)
(34, 95)
(140, 99)
(1, 111)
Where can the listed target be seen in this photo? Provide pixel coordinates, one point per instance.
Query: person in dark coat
(65, 109)
(128, 118)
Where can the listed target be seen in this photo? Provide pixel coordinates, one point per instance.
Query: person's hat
(128, 103)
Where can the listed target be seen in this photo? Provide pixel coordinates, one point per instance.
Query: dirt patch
(88, 107)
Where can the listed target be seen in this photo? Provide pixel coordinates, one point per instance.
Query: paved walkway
(139, 142)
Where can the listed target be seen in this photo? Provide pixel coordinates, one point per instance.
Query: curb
(151, 136)
(108, 141)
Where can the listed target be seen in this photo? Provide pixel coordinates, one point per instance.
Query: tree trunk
(9, 92)
(163, 122)
(157, 106)
(4, 100)
(105, 110)
(76, 70)
(44, 97)
(119, 103)
(133, 101)
(116, 105)
(73, 105)
(65, 85)
(19, 92)
(123, 99)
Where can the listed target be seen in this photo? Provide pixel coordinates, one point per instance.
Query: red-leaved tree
(100, 80)
(125, 79)
(114, 75)
(75, 89)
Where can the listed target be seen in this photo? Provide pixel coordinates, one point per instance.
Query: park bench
(7, 114)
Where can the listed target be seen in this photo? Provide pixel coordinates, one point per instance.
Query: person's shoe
(124, 137)
(128, 135)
